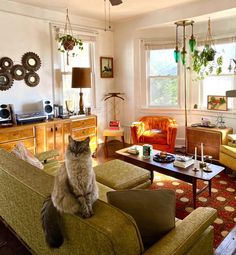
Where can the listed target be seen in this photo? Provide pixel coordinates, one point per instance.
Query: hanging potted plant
(208, 60)
(67, 41)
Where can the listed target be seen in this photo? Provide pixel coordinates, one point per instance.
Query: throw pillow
(23, 153)
(153, 211)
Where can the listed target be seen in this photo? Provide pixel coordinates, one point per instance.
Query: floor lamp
(81, 78)
(182, 54)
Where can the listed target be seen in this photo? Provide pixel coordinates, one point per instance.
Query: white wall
(26, 28)
(159, 25)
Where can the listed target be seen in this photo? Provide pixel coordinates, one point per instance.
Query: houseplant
(68, 42)
(207, 60)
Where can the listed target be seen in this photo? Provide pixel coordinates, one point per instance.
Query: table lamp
(81, 78)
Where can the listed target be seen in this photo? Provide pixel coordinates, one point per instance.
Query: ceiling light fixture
(192, 41)
(107, 9)
(107, 21)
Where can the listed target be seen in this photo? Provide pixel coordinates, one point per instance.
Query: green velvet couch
(23, 188)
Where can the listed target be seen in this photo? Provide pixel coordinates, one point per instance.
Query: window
(82, 58)
(219, 84)
(162, 78)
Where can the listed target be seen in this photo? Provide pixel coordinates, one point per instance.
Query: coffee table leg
(152, 176)
(209, 184)
(194, 192)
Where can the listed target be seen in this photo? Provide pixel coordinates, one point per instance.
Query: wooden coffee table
(183, 174)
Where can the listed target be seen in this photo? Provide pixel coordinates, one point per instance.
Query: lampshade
(81, 77)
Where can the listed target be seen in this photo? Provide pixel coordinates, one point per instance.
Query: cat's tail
(51, 224)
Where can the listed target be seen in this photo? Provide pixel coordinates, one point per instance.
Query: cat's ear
(87, 140)
(70, 139)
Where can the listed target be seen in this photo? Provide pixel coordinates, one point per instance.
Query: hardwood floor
(11, 245)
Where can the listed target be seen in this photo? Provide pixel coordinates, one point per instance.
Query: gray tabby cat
(75, 190)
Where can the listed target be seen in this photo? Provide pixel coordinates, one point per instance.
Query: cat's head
(78, 146)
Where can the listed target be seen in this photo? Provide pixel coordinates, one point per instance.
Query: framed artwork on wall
(218, 103)
(106, 67)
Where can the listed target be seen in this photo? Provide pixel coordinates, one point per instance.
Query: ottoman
(120, 175)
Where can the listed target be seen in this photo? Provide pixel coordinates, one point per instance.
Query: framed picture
(106, 67)
(218, 103)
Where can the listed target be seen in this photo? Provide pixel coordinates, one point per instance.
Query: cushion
(21, 152)
(154, 136)
(119, 175)
(153, 211)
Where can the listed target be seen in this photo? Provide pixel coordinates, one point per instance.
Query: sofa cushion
(231, 151)
(154, 136)
(21, 152)
(153, 211)
(118, 174)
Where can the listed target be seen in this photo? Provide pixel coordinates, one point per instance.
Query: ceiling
(95, 8)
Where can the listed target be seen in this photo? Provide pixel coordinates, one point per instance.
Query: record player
(30, 117)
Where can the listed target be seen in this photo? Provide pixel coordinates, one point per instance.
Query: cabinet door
(50, 139)
(40, 136)
(58, 139)
(66, 133)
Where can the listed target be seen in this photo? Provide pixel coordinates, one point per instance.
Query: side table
(113, 133)
(211, 138)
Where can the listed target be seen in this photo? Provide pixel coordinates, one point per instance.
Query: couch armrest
(44, 156)
(184, 235)
(136, 129)
(171, 135)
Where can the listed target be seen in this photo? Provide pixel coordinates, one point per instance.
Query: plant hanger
(209, 39)
(68, 40)
(68, 29)
(205, 61)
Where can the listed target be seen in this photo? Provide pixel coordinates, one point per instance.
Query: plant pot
(68, 45)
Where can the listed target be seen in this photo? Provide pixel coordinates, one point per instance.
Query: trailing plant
(68, 42)
(205, 62)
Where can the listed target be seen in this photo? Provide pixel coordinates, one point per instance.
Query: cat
(75, 190)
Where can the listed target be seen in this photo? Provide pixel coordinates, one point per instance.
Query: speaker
(5, 113)
(47, 107)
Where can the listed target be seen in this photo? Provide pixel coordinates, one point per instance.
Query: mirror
(6, 63)
(18, 72)
(31, 61)
(6, 81)
(32, 79)
(3, 80)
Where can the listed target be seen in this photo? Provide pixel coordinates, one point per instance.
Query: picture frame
(106, 67)
(217, 103)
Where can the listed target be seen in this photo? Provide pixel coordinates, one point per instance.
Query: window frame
(148, 80)
(232, 74)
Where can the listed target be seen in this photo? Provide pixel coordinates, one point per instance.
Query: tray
(168, 159)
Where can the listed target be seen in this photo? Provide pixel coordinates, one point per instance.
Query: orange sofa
(159, 131)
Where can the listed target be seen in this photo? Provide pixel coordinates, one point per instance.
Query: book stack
(114, 125)
(183, 161)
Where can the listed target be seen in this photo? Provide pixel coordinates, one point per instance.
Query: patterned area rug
(223, 198)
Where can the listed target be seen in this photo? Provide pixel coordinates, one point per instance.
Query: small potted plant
(68, 42)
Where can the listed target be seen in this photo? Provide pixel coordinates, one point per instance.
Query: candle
(202, 152)
(195, 155)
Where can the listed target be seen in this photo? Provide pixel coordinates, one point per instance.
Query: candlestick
(195, 160)
(202, 152)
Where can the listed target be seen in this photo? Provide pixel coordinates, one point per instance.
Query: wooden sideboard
(52, 134)
(211, 138)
